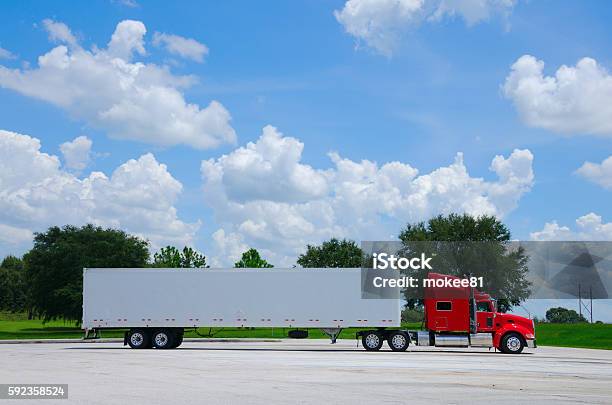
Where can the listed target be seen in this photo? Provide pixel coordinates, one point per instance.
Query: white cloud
(276, 159)
(6, 54)
(577, 100)
(59, 32)
(589, 227)
(228, 248)
(129, 100)
(187, 48)
(36, 193)
(472, 11)
(128, 3)
(381, 23)
(127, 39)
(264, 197)
(598, 173)
(77, 153)
(10, 235)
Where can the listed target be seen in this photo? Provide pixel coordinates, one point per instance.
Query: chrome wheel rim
(161, 340)
(372, 341)
(513, 343)
(398, 341)
(136, 339)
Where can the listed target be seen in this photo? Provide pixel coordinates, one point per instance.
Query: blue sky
(296, 66)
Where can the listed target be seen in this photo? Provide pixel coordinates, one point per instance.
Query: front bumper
(531, 343)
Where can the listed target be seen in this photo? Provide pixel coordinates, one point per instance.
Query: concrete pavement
(308, 371)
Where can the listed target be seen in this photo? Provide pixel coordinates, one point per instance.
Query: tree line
(47, 282)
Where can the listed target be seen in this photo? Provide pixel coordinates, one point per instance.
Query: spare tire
(298, 334)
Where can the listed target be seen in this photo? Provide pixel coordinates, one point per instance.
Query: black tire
(179, 340)
(512, 343)
(163, 338)
(139, 339)
(372, 341)
(298, 334)
(398, 341)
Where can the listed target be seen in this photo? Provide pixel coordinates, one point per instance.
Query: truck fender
(507, 328)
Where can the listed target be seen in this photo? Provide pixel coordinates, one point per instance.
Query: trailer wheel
(512, 343)
(179, 340)
(138, 339)
(372, 341)
(398, 341)
(163, 339)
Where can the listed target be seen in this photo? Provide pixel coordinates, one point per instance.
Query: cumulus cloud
(264, 196)
(6, 54)
(35, 193)
(187, 48)
(128, 99)
(576, 100)
(598, 173)
(589, 227)
(127, 39)
(381, 23)
(77, 153)
(59, 32)
(275, 158)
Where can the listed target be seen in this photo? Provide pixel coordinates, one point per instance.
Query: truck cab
(464, 316)
(458, 316)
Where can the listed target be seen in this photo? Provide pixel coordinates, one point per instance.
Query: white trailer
(156, 305)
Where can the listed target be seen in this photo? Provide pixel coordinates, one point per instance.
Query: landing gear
(333, 333)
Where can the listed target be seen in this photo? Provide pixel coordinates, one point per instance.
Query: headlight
(530, 336)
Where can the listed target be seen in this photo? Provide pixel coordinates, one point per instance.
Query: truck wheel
(398, 341)
(372, 341)
(512, 343)
(178, 339)
(138, 339)
(162, 339)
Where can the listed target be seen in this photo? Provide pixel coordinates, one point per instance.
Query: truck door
(484, 316)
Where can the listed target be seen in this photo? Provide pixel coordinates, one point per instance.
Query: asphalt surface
(307, 371)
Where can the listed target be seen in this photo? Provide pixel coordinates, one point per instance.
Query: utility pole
(579, 300)
(591, 297)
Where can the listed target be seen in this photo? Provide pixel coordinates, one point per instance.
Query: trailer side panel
(306, 298)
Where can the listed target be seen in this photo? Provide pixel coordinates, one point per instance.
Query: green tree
(464, 245)
(332, 253)
(252, 259)
(13, 287)
(173, 258)
(54, 266)
(564, 315)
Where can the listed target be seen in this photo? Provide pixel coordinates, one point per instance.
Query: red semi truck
(155, 306)
(459, 317)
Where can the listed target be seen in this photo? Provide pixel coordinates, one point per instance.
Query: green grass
(585, 335)
(16, 326)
